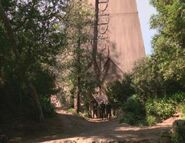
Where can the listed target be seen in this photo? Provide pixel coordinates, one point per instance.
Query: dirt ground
(68, 128)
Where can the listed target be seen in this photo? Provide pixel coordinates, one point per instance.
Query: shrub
(129, 118)
(119, 91)
(47, 107)
(71, 110)
(182, 110)
(151, 120)
(178, 97)
(134, 105)
(160, 108)
(134, 109)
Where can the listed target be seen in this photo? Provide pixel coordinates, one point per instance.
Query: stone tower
(118, 24)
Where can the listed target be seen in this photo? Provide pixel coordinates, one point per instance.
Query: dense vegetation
(45, 50)
(158, 81)
(77, 75)
(29, 44)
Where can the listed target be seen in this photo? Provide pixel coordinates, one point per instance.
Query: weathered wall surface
(124, 33)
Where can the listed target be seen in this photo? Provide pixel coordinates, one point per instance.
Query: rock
(178, 124)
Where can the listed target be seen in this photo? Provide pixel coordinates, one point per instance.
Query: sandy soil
(68, 128)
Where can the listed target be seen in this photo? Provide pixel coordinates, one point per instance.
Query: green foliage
(151, 120)
(182, 110)
(44, 80)
(178, 97)
(129, 118)
(71, 110)
(28, 54)
(169, 43)
(160, 78)
(47, 107)
(152, 111)
(118, 92)
(134, 105)
(160, 108)
(147, 81)
(134, 111)
(78, 73)
(163, 73)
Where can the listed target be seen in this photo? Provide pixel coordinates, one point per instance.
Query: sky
(145, 11)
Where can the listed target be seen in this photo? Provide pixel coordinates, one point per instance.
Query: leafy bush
(71, 110)
(151, 120)
(129, 118)
(119, 91)
(182, 110)
(134, 111)
(47, 107)
(178, 97)
(160, 108)
(32, 66)
(134, 105)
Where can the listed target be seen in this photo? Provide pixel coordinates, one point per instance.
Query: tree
(164, 72)
(30, 42)
(169, 43)
(78, 23)
(100, 45)
(146, 78)
(119, 91)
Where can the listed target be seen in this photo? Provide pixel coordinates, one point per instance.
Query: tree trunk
(79, 70)
(95, 41)
(77, 101)
(37, 101)
(14, 45)
(101, 71)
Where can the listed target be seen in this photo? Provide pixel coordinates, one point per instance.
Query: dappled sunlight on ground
(66, 127)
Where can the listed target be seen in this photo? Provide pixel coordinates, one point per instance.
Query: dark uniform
(95, 109)
(102, 110)
(108, 110)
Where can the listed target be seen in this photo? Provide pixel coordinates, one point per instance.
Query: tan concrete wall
(124, 33)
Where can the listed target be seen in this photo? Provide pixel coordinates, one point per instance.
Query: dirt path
(67, 128)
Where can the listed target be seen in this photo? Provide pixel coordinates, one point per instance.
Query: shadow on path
(65, 127)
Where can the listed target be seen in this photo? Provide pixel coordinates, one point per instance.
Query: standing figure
(108, 111)
(95, 110)
(102, 110)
